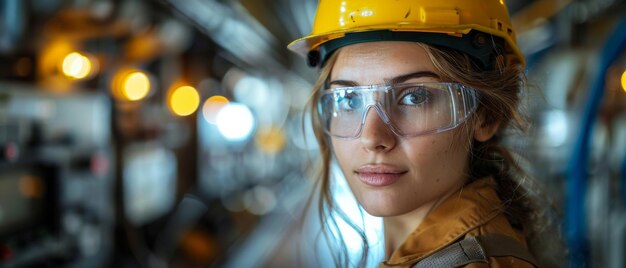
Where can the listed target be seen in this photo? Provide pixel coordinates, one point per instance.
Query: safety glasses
(410, 109)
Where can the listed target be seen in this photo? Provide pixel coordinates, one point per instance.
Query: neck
(398, 228)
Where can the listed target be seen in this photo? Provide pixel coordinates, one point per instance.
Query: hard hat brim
(304, 45)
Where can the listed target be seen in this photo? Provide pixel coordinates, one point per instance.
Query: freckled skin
(434, 168)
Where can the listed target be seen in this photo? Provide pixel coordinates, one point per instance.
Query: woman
(412, 100)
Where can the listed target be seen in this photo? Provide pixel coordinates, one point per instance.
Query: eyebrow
(395, 80)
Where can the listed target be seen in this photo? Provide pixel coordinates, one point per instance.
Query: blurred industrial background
(170, 133)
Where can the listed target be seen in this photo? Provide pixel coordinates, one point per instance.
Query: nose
(376, 135)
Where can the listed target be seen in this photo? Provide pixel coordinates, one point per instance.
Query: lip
(379, 175)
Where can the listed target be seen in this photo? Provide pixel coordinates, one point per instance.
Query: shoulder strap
(477, 249)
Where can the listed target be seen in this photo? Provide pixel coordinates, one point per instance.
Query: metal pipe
(12, 24)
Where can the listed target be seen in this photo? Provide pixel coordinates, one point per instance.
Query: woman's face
(391, 175)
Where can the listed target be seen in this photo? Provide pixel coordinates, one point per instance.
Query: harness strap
(477, 249)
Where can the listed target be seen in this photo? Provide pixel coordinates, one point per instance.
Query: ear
(483, 131)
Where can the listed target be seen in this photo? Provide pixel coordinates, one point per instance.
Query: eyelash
(421, 91)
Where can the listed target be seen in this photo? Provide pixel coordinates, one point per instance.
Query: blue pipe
(577, 172)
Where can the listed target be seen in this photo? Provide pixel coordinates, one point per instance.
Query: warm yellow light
(271, 140)
(211, 108)
(31, 186)
(624, 81)
(76, 65)
(135, 86)
(184, 100)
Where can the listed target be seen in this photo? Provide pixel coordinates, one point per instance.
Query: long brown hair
(327, 207)
(500, 92)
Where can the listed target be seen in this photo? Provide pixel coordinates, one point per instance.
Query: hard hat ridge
(482, 23)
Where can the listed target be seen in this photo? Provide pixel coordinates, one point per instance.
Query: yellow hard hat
(475, 27)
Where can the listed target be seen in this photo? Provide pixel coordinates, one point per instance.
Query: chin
(380, 210)
(383, 214)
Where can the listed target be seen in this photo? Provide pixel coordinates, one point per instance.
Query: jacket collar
(471, 206)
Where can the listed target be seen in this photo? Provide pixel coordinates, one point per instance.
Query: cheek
(437, 157)
(343, 150)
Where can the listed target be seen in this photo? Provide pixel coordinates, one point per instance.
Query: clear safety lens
(408, 109)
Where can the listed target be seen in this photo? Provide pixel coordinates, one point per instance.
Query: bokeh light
(135, 86)
(235, 122)
(260, 200)
(31, 186)
(76, 65)
(184, 100)
(271, 140)
(555, 128)
(212, 107)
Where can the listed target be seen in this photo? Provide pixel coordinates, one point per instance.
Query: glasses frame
(469, 96)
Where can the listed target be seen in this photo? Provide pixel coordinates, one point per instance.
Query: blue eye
(415, 96)
(349, 101)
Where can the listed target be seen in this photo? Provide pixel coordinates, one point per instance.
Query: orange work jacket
(474, 210)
